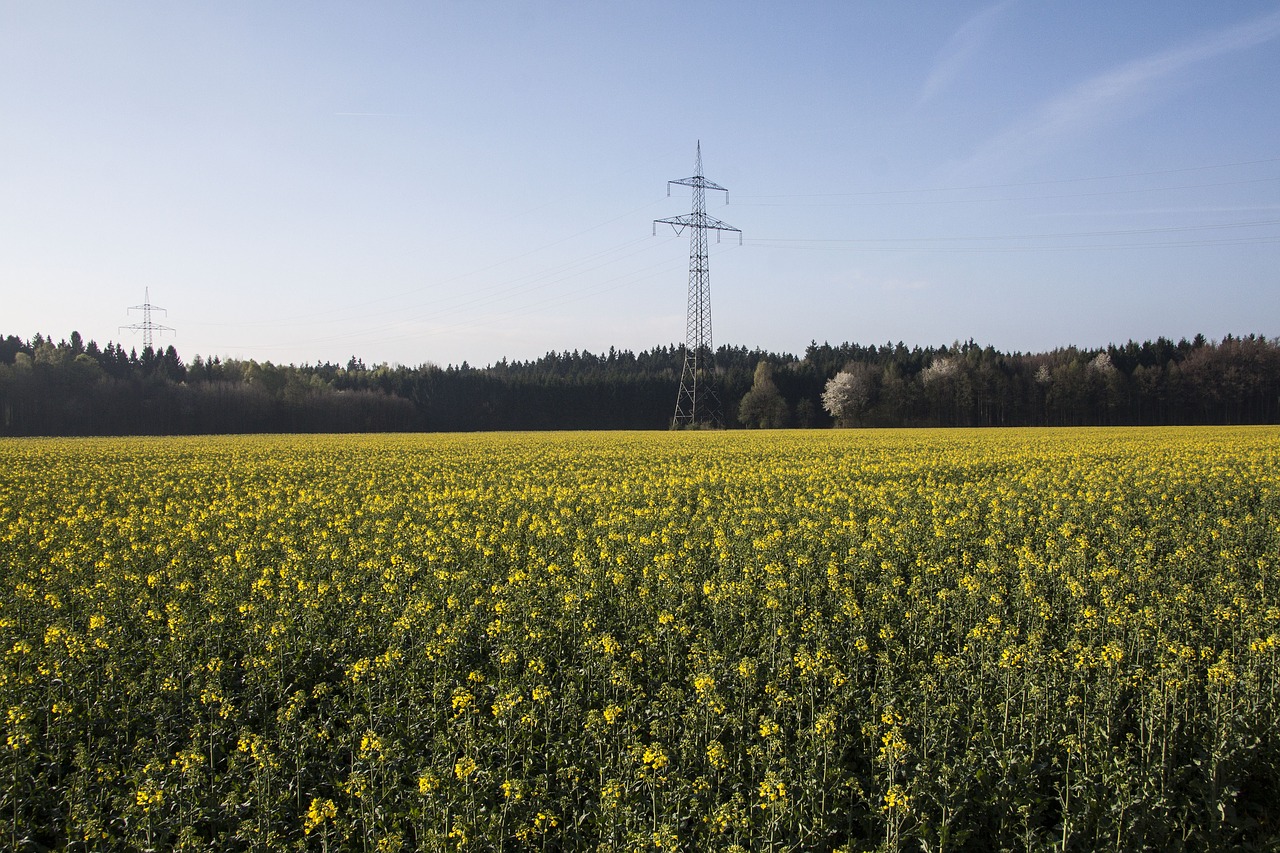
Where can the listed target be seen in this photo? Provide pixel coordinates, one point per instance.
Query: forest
(75, 387)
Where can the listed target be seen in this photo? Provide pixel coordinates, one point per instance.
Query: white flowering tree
(847, 393)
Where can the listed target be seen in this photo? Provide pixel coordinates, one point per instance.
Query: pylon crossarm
(694, 220)
(677, 223)
(696, 181)
(713, 223)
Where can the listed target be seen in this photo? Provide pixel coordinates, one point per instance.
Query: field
(854, 640)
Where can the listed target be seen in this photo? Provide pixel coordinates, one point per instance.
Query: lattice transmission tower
(697, 403)
(147, 327)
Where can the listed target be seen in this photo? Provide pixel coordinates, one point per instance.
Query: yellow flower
(896, 800)
(655, 757)
(370, 745)
(319, 811)
(464, 768)
(772, 789)
(462, 700)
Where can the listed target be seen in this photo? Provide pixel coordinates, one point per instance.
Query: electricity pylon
(697, 403)
(146, 326)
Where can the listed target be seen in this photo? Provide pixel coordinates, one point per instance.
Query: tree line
(74, 387)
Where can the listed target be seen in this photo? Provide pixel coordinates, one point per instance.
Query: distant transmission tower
(146, 326)
(697, 404)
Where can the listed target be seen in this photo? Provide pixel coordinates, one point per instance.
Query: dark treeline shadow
(73, 387)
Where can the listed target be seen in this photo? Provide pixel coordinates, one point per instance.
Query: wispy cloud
(1089, 104)
(960, 49)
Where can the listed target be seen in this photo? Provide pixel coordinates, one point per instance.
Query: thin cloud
(960, 49)
(1099, 98)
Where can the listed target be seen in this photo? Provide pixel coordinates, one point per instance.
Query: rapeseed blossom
(730, 641)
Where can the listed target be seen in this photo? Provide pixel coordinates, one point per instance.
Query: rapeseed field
(838, 640)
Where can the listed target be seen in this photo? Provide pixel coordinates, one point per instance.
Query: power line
(1119, 232)
(1180, 244)
(1097, 194)
(617, 282)
(1048, 182)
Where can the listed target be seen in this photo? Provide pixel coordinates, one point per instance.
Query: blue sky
(450, 181)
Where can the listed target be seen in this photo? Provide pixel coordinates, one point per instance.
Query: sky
(440, 182)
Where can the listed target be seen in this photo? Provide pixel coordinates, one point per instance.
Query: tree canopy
(75, 387)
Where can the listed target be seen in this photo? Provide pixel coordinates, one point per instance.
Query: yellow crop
(715, 641)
